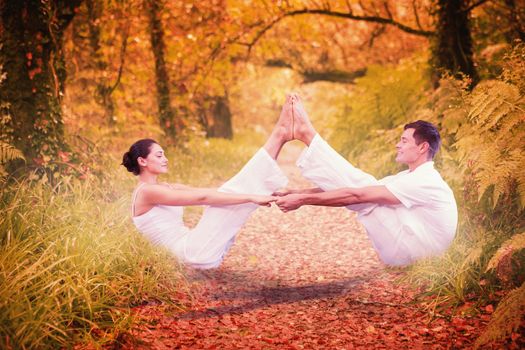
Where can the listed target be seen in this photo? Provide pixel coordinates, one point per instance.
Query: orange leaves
(34, 72)
(269, 294)
(36, 63)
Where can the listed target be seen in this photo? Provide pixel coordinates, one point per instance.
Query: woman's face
(156, 162)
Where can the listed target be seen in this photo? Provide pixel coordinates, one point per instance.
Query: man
(408, 216)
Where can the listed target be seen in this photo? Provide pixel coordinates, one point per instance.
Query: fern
(8, 153)
(509, 247)
(493, 140)
(506, 319)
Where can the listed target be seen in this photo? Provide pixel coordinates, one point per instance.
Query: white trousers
(326, 168)
(206, 245)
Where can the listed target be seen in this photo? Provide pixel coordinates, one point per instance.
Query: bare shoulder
(153, 188)
(175, 186)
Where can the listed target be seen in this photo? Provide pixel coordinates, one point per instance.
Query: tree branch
(474, 5)
(349, 15)
(416, 15)
(122, 56)
(260, 34)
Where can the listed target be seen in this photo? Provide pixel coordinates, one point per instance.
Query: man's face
(407, 150)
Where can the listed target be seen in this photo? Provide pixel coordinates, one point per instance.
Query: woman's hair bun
(141, 148)
(128, 163)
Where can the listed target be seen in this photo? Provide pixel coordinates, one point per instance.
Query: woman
(157, 208)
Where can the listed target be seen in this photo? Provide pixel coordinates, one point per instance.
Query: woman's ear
(141, 161)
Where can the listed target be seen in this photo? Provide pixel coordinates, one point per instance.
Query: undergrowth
(481, 159)
(72, 265)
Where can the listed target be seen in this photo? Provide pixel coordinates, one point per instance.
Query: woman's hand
(263, 200)
(283, 192)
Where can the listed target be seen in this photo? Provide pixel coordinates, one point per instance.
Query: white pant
(206, 245)
(322, 165)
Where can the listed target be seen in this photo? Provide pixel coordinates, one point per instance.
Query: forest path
(308, 279)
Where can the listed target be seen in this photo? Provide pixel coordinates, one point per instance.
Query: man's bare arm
(340, 197)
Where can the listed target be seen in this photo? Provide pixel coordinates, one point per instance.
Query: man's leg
(213, 236)
(322, 165)
(395, 243)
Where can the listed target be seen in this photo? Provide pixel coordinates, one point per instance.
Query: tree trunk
(32, 34)
(103, 91)
(167, 118)
(216, 117)
(452, 48)
(516, 19)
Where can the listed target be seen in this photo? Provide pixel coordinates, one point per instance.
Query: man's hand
(289, 202)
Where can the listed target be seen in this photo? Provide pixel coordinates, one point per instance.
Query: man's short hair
(426, 132)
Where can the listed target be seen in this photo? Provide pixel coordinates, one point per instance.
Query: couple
(407, 216)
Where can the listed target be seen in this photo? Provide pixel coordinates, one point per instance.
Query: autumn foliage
(80, 80)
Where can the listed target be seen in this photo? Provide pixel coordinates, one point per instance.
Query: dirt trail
(308, 279)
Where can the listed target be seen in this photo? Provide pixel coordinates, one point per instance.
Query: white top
(162, 224)
(429, 202)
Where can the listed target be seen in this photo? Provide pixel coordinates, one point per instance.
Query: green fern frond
(8, 152)
(506, 319)
(510, 246)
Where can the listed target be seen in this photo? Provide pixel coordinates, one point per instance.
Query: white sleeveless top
(162, 224)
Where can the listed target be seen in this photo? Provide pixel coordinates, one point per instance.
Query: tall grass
(72, 265)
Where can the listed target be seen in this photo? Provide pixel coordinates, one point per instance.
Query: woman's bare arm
(183, 196)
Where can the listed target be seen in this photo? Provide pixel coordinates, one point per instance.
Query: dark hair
(426, 132)
(141, 148)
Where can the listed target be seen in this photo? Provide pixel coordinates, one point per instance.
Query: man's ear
(424, 147)
(142, 161)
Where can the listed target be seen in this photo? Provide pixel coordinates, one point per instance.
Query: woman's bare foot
(285, 122)
(303, 129)
(282, 131)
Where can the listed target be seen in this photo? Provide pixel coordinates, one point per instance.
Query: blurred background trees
(80, 80)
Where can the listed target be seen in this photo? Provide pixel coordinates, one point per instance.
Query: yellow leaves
(509, 247)
(7, 153)
(492, 139)
(492, 101)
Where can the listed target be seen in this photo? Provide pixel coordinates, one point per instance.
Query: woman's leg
(209, 241)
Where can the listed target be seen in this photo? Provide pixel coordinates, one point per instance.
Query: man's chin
(400, 160)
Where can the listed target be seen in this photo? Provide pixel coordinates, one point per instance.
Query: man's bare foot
(303, 129)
